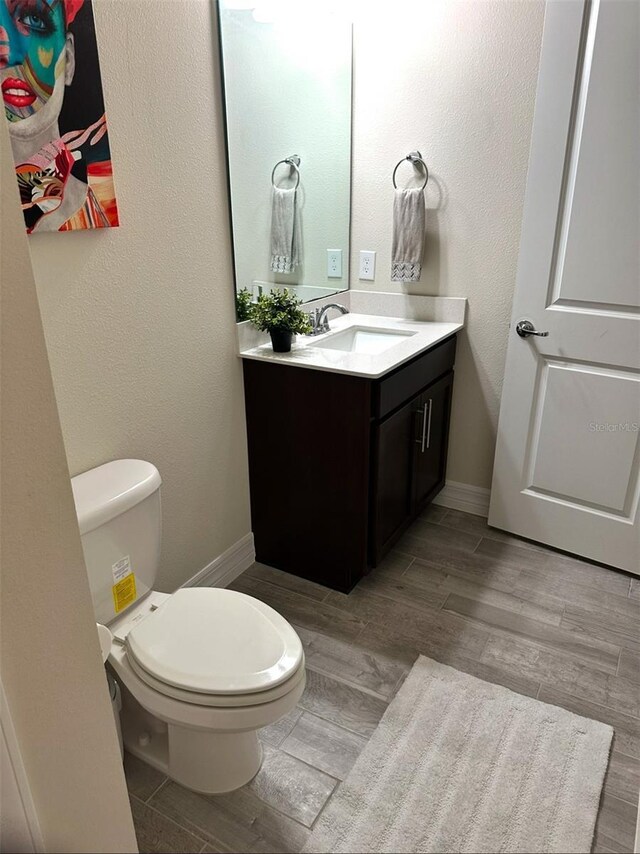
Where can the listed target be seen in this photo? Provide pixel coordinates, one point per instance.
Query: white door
(568, 452)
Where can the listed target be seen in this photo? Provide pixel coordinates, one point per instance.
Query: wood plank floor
(503, 609)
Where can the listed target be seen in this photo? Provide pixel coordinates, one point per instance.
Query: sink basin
(359, 339)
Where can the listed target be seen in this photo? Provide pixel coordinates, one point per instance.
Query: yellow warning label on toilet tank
(124, 592)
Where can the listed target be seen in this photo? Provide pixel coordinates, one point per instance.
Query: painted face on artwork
(36, 63)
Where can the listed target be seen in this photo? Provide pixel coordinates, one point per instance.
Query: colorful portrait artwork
(52, 98)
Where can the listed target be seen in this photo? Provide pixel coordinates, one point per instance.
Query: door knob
(525, 328)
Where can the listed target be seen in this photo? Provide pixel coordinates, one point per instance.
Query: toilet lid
(216, 641)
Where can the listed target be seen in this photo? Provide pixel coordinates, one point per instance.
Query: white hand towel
(285, 231)
(408, 235)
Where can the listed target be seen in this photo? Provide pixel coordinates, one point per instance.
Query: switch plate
(334, 263)
(367, 265)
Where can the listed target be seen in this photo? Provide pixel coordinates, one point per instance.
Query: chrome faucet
(319, 320)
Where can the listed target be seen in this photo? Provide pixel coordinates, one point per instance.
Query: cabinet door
(392, 480)
(430, 444)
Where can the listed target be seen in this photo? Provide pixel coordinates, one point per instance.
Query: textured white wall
(456, 80)
(51, 666)
(140, 320)
(288, 91)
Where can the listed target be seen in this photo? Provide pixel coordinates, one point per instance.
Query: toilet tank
(118, 507)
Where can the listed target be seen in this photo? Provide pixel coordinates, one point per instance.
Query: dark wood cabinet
(431, 443)
(409, 458)
(392, 475)
(340, 465)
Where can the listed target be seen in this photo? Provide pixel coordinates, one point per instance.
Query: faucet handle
(314, 317)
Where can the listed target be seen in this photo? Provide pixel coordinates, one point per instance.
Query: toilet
(201, 670)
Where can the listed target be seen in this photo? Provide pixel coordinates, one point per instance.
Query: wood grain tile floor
(495, 606)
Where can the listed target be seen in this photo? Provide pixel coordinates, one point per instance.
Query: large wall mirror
(287, 89)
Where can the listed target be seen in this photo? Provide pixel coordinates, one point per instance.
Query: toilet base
(207, 762)
(213, 762)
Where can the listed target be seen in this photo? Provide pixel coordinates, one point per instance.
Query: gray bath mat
(458, 764)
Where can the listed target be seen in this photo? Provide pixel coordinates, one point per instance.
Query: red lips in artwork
(17, 93)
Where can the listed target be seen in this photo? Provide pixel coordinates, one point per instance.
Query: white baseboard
(465, 497)
(229, 565)
(232, 563)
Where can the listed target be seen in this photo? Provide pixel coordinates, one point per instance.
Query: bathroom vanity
(346, 447)
(348, 432)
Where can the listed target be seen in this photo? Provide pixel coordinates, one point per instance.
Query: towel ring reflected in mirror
(292, 162)
(416, 158)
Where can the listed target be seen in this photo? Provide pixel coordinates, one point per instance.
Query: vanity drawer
(409, 379)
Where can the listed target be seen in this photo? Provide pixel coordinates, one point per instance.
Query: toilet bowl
(201, 670)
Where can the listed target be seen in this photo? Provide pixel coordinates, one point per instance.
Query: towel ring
(413, 157)
(293, 162)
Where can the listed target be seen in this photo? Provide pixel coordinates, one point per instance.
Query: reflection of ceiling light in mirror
(319, 46)
(272, 11)
(244, 5)
(275, 11)
(266, 13)
(310, 32)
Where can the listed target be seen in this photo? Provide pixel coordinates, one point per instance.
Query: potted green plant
(243, 305)
(279, 314)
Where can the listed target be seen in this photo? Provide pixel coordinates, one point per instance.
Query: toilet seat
(219, 701)
(216, 647)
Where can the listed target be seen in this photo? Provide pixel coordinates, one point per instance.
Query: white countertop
(307, 351)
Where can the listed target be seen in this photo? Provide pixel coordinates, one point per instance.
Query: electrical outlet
(334, 263)
(367, 265)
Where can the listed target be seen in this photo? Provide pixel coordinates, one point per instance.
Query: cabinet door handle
(428, 426)
(423, 438)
